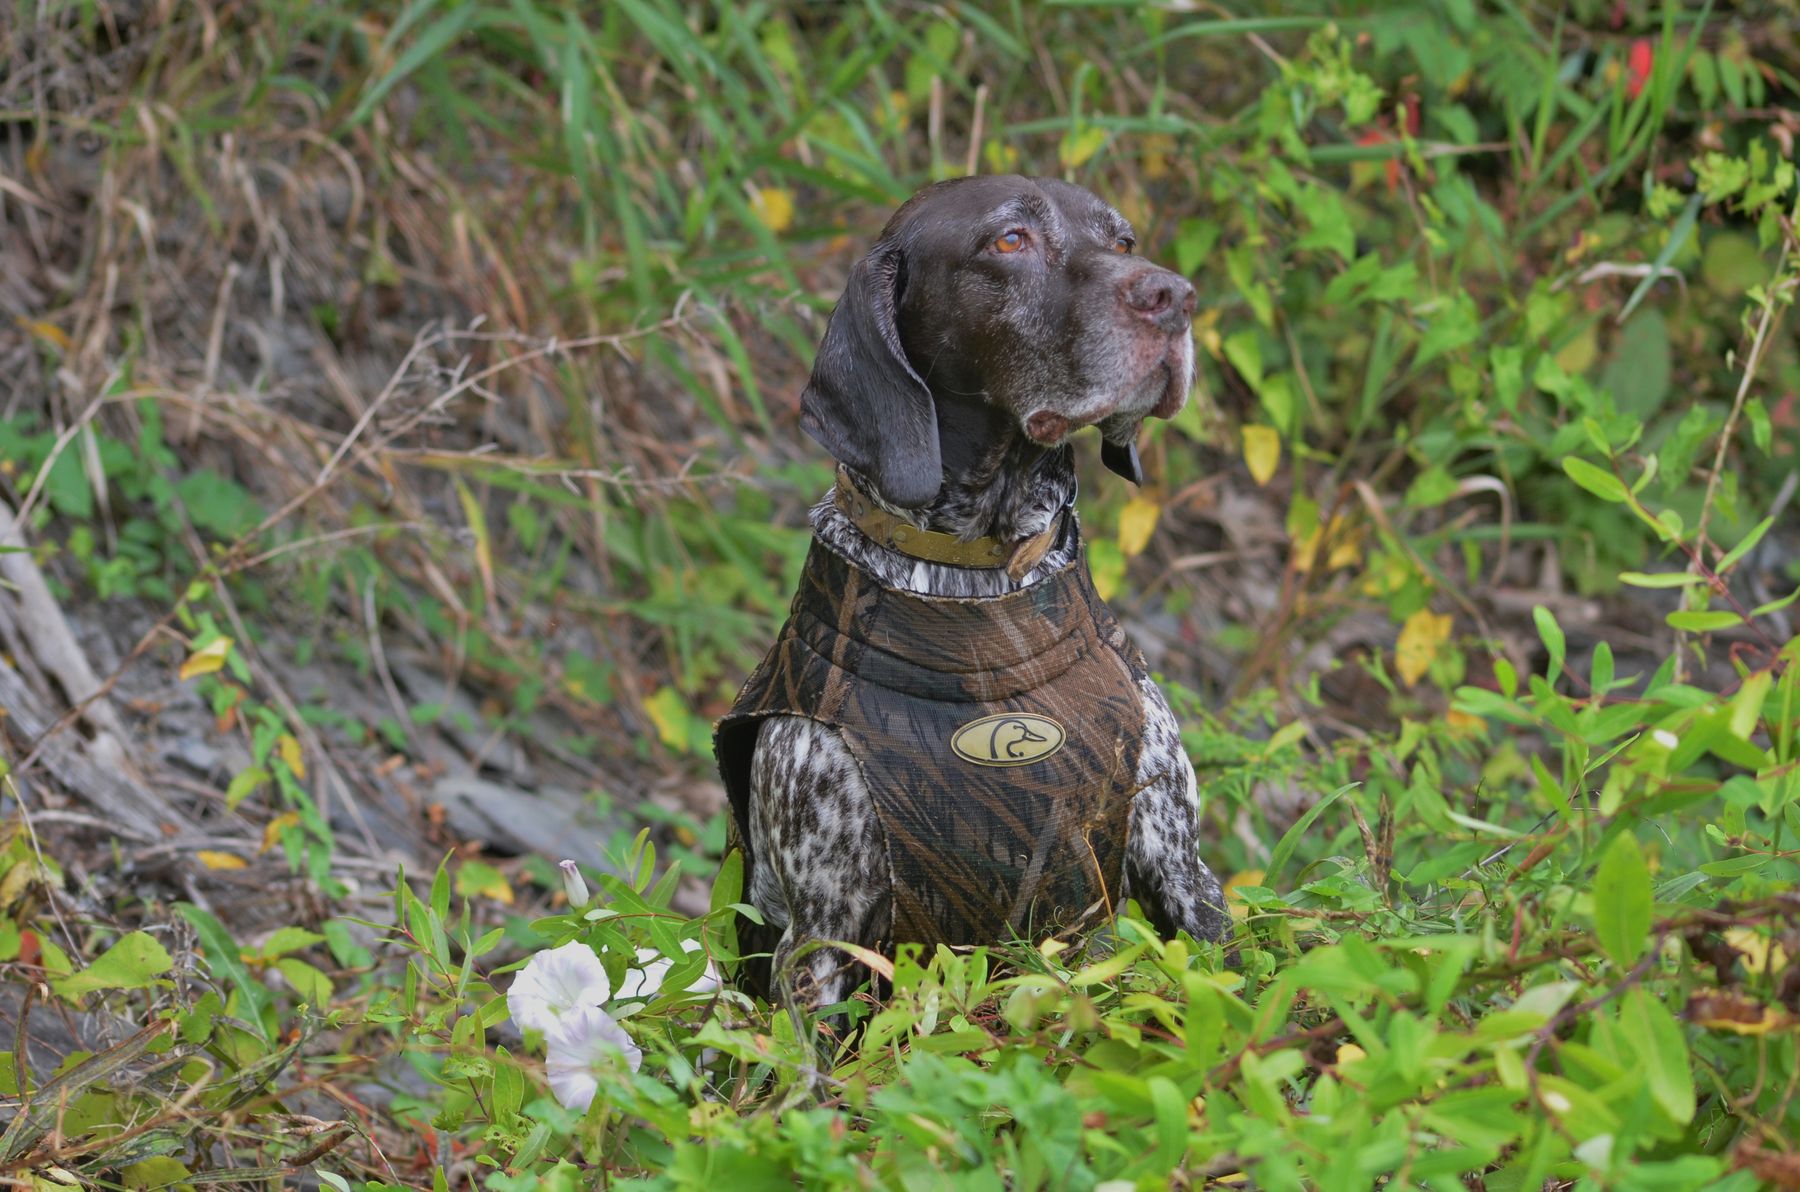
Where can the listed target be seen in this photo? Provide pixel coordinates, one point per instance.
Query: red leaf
(1638, 62)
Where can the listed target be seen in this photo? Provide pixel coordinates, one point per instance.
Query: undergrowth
(480, 325)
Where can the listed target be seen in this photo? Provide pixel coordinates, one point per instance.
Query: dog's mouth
(1159, 392)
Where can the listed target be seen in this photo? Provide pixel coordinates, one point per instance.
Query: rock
(554, 823)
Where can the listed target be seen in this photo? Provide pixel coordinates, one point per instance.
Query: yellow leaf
(484, 550)
(1107, 563)
(1157, 147)
(1235, 901)
(48, 332)
(1420, 638)
(278, 825)
(1079, 147)
(496, 887)
(669, 714)
(1579, 353)
(1346, 543)
(214, 859)
(1136, 523)
(774, 207)
(897, 116)
(875, 962)
(207, 658)
(1206, 332)
(1760, 955)
(1136, 209)
(1349, 1053)
(1723, 1010)
(290, 753)
(1262, 451)
(1306, 549)
(1586, 241)
(1464, 724)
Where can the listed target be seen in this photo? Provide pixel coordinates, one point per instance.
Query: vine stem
(1772, 303)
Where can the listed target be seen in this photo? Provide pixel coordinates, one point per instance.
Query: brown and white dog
(994, 317)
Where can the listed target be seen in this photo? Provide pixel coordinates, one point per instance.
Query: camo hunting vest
(999, 738)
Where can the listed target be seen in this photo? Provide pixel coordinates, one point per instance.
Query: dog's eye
(1011, 241)
(1124, 244)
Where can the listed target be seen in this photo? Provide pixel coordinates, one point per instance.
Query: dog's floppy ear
(864, 403)
(1122, 458)
(1118, 446)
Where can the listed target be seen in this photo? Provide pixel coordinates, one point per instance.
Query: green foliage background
(1493, 303)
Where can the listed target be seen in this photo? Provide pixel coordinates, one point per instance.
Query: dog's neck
(1012, 489)
(1007, 488)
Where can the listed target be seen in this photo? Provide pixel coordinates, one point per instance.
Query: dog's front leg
(1163, 870)
(821, 871)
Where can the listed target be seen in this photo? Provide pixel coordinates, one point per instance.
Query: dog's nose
(1161, 297)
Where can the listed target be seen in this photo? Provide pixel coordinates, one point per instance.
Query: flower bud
(573, 886)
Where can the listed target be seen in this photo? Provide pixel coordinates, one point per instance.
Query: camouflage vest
(999, 738)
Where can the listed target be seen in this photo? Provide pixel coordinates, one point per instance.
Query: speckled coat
(997, 824)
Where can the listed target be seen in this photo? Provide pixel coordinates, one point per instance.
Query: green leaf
(1552, 634)
(1331, 226)
(509, 1088)
(1601, 676)
(1744, 547)
(1453, 327)
(1732, 264)
(1762, 430)
(134, 962)
(217, 505)
(1661, 579)
(1703, 622)
(1622, 901)
(1763, 610)
(430, 44)
(1637, 375)
(728, 885)
(1243, 349)
(1678, 238)
(1601, 483)
(289, 939)
(1291, 838)
(1745, 709)
(311, 984)
(1663, 1049)
(244, 784)
(223, 959)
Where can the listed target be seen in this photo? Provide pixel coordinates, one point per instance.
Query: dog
(994, 317)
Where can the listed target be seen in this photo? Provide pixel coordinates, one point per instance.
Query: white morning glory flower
(573, 884)
(646, 980)
(555, 984)
(579, 1045)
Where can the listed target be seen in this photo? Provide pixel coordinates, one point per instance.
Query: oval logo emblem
(1009, 739)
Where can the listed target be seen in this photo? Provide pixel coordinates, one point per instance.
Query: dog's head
(990, 301)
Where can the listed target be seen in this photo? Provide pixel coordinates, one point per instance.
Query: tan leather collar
(896, 533)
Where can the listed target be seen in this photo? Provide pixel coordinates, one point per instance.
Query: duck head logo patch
(1009, 739)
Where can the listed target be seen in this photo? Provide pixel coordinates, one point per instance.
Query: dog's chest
(999, 740)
